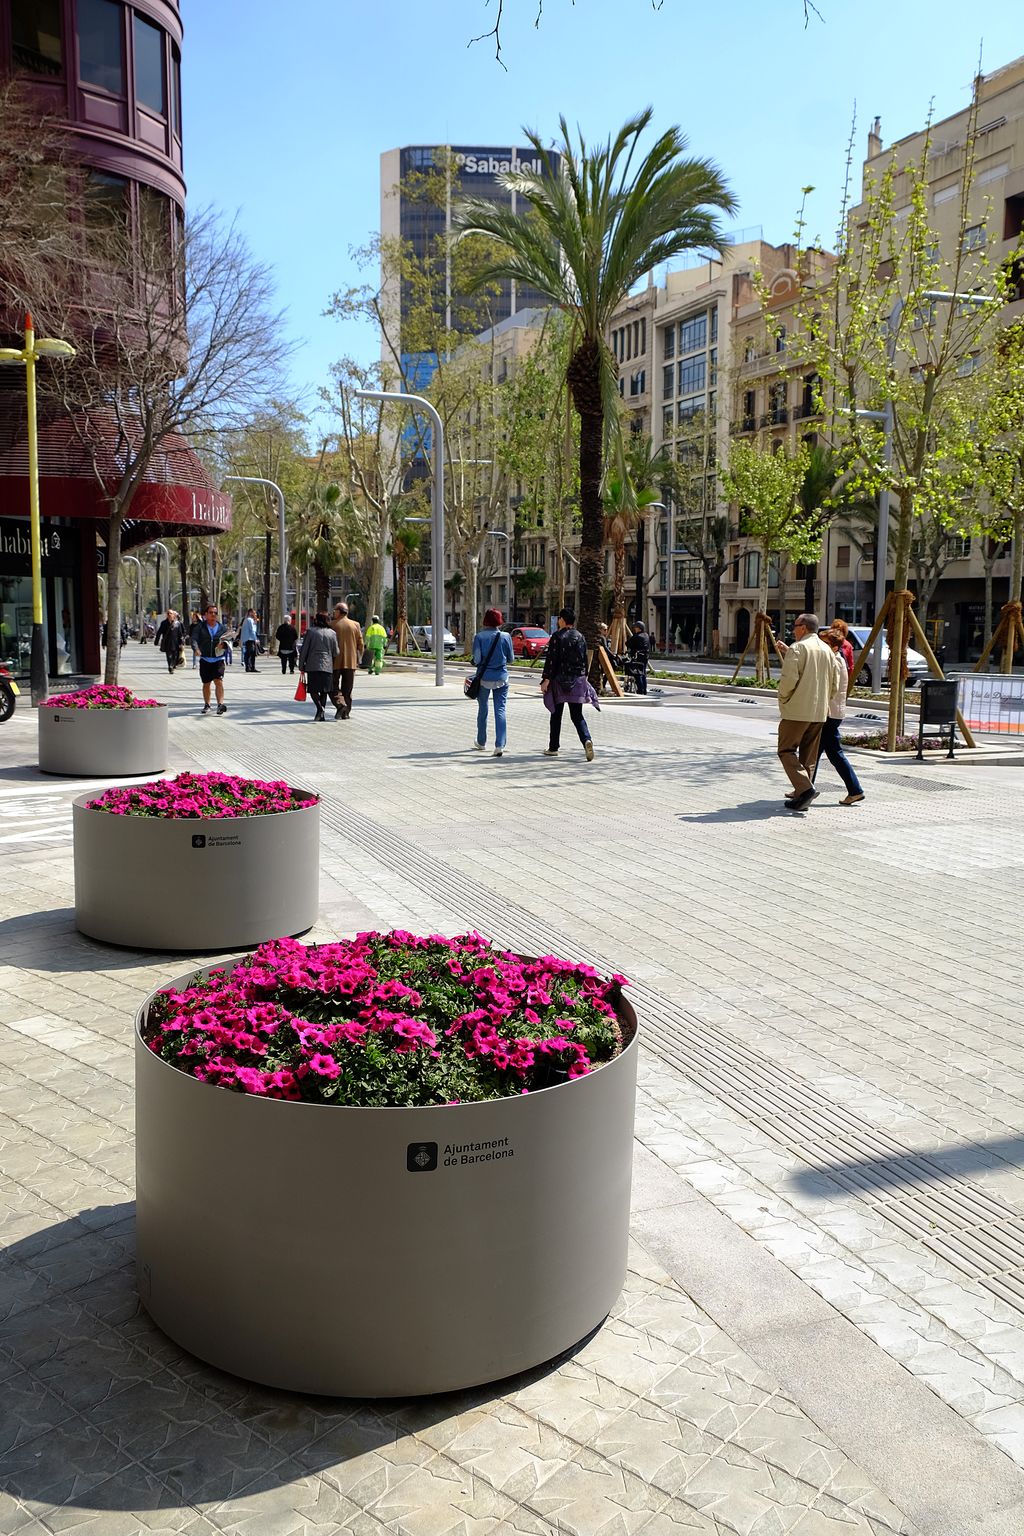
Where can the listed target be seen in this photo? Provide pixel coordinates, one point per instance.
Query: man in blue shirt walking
(250, 638)
(209, 638)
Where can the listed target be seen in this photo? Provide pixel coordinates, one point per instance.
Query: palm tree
(322, 539)
(453, 586)
(405, 546)
(530, 585)
(627, 499)
(598, 225)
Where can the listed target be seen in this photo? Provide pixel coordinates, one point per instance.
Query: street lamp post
(27, 356)
(138, 590)
(436, 521)
(282, 536)
(163, 589)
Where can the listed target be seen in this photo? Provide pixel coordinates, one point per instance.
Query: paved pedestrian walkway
(822, 1333)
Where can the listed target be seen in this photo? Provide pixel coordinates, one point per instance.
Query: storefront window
(150, 79)
(36, 36)
(100, 55)
(15, 621)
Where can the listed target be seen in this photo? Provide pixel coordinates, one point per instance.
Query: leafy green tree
(766, 487)
(880, 336)
(538, 446)
(997, 416)
(594, 231)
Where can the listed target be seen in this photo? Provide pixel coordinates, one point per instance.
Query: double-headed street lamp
(27, 356)
(282, 536)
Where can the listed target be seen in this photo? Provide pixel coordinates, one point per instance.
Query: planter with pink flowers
(102, 732)
(384, 1167)
(203, 861)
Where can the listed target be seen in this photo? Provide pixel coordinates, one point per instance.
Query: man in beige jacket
(810, 676)
(350, 649)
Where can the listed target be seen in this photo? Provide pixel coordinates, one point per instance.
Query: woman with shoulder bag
(492, 652)
(316, 661)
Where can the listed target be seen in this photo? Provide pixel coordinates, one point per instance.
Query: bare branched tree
(172, 339)
(809, 9)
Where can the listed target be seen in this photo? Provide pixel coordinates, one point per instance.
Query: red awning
(176, 496)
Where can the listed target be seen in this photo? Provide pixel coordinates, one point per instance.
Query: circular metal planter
(381, 1252)
(152, 882)
(103, 743)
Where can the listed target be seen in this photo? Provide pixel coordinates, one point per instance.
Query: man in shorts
(209, 638)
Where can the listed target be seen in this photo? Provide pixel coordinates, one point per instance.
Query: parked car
(423, 635)
(528, 640)
(917, 667)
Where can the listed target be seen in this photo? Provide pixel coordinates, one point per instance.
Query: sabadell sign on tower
(489, 162)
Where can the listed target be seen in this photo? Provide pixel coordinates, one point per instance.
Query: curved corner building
(111, 72)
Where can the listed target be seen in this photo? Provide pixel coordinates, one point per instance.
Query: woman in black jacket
(287, 637)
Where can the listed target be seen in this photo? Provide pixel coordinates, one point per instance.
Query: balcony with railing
(743, 424)
(778, 416)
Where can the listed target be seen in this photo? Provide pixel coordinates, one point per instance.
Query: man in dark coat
(638, 648)
(170, 637)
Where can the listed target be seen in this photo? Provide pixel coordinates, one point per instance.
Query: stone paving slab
(671, 858)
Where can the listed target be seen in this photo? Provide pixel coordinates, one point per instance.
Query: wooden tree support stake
(602, 662)
(1008, 634)
(762, 638)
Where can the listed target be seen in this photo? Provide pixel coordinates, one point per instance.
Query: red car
(527, 641)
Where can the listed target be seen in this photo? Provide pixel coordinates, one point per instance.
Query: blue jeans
(500, 697)
(832, 748)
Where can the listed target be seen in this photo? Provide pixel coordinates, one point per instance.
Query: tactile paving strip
(910, 781)
(977, 1234)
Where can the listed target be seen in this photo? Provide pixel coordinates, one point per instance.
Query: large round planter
(103, 743)
(152, 882)
(381, 1252)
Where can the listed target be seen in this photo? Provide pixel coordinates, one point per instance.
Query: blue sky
(287, 107)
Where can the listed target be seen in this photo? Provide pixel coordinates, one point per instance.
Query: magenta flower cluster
(100, 696)
(387, 1020)
(203, 797)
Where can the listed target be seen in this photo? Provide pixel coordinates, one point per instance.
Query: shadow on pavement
(107, 1413)
(903, 1171)
(756, 810)
(22, 771)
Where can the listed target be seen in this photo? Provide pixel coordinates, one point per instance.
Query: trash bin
(938, 708)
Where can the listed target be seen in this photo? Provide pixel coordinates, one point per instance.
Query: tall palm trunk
(322, 582)
(402, 605)
(617, 632)
(584, 376)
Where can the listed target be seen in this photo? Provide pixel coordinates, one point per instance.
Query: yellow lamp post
(27, 357)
